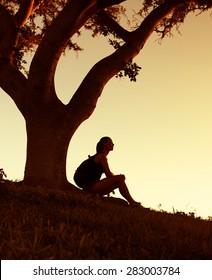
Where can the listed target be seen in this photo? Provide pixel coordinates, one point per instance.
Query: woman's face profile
(109, 144)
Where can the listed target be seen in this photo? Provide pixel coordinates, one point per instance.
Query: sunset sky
(161, 125)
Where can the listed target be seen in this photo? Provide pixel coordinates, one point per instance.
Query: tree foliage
(177, 17)
(44, 12)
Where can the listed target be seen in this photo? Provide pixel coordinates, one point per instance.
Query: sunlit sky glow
(161, 125)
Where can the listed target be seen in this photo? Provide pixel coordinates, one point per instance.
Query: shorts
(87, 187)
(82, 185)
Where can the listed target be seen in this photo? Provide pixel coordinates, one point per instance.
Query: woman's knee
(120, 178)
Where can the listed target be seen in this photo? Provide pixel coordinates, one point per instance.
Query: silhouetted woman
(88, 174)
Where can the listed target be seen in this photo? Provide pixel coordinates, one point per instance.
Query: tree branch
(113, 25)
(93, 84)
(8, 38)
(26, 8)
(8, 35)
(17, 86)
(68, 22)
(37, 4)
(151, 21)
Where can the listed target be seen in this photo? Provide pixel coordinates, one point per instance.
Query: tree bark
(12, 80)
(46, 156)
(8, 35)
(48, 138)
(26, 8)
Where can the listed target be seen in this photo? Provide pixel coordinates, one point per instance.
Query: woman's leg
(107, 185)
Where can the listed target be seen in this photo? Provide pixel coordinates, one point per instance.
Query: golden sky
(161, 125)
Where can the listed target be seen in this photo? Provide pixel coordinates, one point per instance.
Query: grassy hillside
(38, 224)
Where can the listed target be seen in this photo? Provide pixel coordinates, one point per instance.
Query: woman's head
(104, 143)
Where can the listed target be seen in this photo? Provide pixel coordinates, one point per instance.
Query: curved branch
(8, 38)
(16, 88)
(8, 35)
(151, 21)
(26, 8)
(84, 101)
(68, 22)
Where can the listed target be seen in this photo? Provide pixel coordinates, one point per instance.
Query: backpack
(88, 171)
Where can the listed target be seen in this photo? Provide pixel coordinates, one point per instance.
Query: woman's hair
(100, 144)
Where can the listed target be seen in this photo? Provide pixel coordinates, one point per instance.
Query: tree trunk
(48, 136)
(46, 157)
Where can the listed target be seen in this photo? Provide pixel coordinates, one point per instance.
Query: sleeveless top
(88, 172)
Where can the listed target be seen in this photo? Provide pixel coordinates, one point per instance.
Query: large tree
(46, 27)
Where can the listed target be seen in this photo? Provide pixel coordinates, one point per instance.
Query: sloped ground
(37, 223)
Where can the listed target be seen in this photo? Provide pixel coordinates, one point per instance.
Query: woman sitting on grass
(88, 174)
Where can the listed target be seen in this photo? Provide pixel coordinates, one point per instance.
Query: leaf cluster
(177, 17)
(31, 34)
(130, 70)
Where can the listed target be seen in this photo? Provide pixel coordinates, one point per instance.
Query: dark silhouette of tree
(46, 27)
